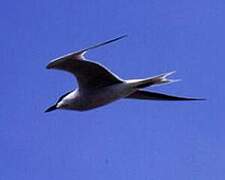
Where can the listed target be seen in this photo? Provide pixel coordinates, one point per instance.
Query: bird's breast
(99, 97)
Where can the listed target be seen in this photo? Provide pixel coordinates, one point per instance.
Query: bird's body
(78, 100)
(98, 86)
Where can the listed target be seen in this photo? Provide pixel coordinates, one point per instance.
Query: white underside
(78, 100)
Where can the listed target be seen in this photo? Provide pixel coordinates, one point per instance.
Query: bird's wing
(147, 95)
(90, 75)
(80, 54)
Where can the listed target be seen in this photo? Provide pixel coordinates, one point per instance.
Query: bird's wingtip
(195, 99)
(123, 36)
(200, 99)
(120, 37)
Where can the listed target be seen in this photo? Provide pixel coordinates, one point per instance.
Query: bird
(98, 86)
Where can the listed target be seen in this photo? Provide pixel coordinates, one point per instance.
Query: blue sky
(135, 140)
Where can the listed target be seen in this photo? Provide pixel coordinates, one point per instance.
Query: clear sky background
(126, 140)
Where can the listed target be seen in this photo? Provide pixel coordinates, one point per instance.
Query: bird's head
(60, 104)
(51, 108)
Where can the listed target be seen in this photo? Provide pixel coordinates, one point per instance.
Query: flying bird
(98, 86)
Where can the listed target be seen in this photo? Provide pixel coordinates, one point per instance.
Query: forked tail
(152, 81)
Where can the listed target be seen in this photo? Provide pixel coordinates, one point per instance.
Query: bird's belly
(102, 96)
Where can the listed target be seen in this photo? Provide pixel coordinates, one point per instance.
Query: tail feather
(162, 78)
(157, 80)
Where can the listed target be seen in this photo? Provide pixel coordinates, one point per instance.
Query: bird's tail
(152, 81)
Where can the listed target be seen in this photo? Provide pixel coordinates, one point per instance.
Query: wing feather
(89, 74)
(147, 95)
